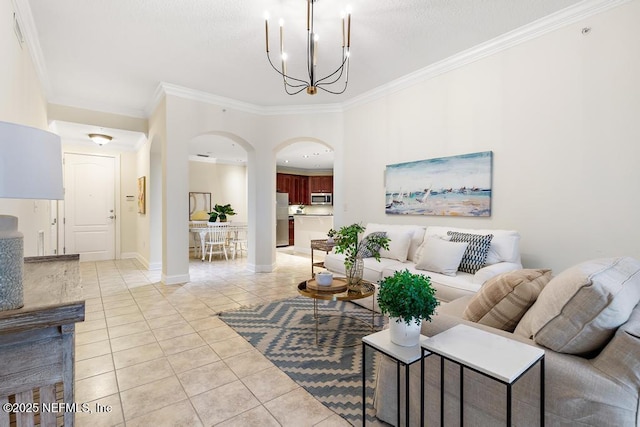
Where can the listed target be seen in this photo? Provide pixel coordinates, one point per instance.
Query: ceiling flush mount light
(100, 138)
(336, 82)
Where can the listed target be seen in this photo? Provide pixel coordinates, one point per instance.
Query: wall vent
(17, 29)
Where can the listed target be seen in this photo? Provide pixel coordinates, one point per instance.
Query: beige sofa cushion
(416, 232)
(580, 309)
(441, 256)
(504, 299)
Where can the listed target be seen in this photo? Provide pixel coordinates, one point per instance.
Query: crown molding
(505, 41)
(520, 35)
(30, 34)
(165, 88)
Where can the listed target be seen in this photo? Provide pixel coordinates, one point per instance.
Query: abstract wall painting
(199, 201)
(142, 188)
(445, 186)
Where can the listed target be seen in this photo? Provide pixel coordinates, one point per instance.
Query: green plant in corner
(223, 211)
(408, 296)
(347, 242)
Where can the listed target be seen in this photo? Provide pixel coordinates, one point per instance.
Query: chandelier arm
(334, 92)
(340, 69)
(346, 82)
(304, 84)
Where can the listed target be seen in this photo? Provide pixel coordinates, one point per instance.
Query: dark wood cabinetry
(300, 187)
(291, 231)
(321, 184)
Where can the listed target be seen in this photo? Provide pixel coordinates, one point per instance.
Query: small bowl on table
(324, 278)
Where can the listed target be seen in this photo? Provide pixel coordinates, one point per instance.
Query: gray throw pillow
(366, 248)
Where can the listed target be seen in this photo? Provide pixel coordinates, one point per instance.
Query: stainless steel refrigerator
(282, 219)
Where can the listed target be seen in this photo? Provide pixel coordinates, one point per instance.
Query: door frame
(116, 195)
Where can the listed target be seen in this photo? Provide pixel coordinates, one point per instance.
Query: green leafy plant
(213, 216)
(223, 211)
(407, 295)
(347, 242)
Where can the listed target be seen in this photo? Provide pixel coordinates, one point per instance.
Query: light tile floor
(158, 355)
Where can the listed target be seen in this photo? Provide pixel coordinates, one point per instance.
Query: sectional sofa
(587, 319)
(428, 251)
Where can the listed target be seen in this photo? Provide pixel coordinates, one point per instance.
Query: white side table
(494, 356)
(405, 356)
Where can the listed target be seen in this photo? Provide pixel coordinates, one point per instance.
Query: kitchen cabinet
(297, 186)
(291, 232)
(321, 184)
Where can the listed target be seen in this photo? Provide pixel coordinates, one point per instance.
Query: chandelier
(339, 78)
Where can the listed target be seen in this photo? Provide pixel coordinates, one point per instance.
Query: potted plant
(407, 299)
(213, 216)
(222, 211)
(347, 242)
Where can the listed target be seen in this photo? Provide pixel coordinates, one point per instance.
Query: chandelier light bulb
(284, 56)
(266, 15)
(281, 22)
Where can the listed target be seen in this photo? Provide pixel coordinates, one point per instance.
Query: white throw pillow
(441, 256)
(399, 243)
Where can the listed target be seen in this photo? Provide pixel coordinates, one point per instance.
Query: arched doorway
(304, 170)
(218, 175)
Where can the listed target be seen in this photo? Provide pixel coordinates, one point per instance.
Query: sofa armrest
(619, 359)
(486, 273)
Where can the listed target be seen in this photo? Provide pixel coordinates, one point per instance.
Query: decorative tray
(338, 285)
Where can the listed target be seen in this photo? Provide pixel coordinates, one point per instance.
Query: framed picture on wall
(199, 202)
(142, 194)
(445, 186)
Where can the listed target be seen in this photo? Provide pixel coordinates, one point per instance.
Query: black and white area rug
(284, 331)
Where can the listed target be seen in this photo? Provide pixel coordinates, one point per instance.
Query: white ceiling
(112, 55)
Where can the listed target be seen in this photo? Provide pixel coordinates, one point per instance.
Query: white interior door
(89, 206)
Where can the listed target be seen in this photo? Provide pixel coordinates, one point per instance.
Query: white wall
(226, 183)
(22, 101)
(261, 136)
(560, 114)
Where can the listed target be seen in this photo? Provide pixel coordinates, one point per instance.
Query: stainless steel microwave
(321, 198)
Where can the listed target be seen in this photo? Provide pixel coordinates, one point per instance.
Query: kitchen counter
(310, 227)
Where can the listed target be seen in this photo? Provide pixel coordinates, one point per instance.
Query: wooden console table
(37, 341)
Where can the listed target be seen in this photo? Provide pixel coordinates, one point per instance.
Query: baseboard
(261, 268)
(128, 255)
(175, 280)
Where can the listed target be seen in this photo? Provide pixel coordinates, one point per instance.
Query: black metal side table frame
(406, 363)
(426, 353)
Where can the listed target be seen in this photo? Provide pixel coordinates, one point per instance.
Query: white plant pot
(403, 334)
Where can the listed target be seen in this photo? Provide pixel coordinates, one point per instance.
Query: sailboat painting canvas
(447, 186)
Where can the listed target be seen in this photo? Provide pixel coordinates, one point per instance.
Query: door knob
(112, 217)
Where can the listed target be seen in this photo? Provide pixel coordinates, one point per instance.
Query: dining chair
(216, 242)
(239, 240)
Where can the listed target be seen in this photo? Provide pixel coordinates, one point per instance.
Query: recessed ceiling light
(306, 156)
(328, 150)
(316, 154)
(286, 161)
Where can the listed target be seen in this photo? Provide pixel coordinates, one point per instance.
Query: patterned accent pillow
(476, 253)
(367, 252)
(505, 298)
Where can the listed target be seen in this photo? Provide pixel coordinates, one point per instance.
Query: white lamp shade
(30, 163)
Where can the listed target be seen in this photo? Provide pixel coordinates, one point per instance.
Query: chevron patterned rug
(284, 331)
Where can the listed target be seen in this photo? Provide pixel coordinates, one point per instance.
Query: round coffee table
(362, 290)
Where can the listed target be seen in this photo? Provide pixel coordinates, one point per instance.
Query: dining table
(201, 228)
